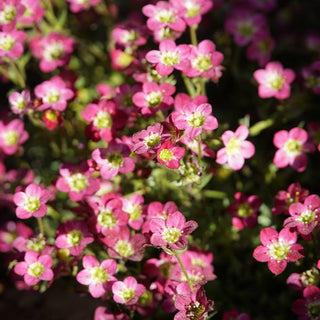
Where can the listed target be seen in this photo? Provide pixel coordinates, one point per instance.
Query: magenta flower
(77, 181)
(162, 15)
(236, 149)
(104, 313)
(194, 118)
(191, 303)
(154, 97)
(278, 249)
(31, 203)
(98, 276)
(54, 50)
(80, 5)
(243, 25)
(74, 236)
(54, 94)
(20, 102)
(10, 12)
(293, 146)
(127, 291)
(204, 60)
(235, 314)
(11, 43)
(244, 210)
(113, 160)
(12, 135)
(171, 232)
(274, 81)
(170, 155)
(35, 268)
(129, 34)
(308, 308)
(33, 13)
(169, 57)
(284, 198)
(305, 217)
(311, 75)
(134, 207)
(192, 10)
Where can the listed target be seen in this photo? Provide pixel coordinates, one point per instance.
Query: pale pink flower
(154, 97)
(53, 94)
(192, 10)
(31, 202)
(12, 136)
(244, 24)
(171, 232)
(204, 59)
(278, 249)
(170, 155)
(54, 50)
(11, 43)
(129, 34)
(35, 268)
(127, 291)
(304, 217)
(104, 313)
(33, 13)
(114, 159)
(20, 102)
(236, 149)
(98, 276)
(80, 5)
(161, 15)
(293, 146)
(74, 236)
(169, 57)
(194, 119)
(274, 81)
(134, 207)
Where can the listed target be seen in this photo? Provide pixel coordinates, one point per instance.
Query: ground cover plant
(160, 158)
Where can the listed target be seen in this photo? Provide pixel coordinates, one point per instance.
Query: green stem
(20, 80)
(189, 86)
(184, 270)
(41, 227)
(50, 13)
(193, 35)
(199, 149)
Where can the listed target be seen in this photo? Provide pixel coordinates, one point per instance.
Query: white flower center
(106, 219)
(52, 96)
(152, 139)
(7, 42)
(278, 250)
(307, 216)
(202, 62)
(20, 103)
(193, 8)
(293, 147)
(124, 248)
(196, 119)
(233, 146)
(35, 269)
(10, 137)
(98, 275)
(275, 80)
(165, 16)
(169, 58)
(102, 120)
(8, 14)
(74, 237)
(171, 234)
(53, 51)
(77, 182)
(32, 204)
(154, 98)
(134, 210)
(127, 294)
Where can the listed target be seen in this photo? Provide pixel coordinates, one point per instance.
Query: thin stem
(20, 80)
(41, 227)
(184, 271)
(189, 86)
(50, 13)
(193, 35)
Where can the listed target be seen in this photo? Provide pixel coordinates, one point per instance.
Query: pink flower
(192, 10)
(243, 25)
(103, 313)
(191, 303)
(33, 13)
(12, 135)
(311, 75)
(171, 232)
(265, 5)
(162, 15)
(293, 146)
(134, 207)
(314, 133)
(20, 102)
(52, 119)
(98, 276)
(113, 160)
(54, 94)
(170, 155)
(274, 81)
(11, 43)
(194, 118)
(278, 249)
(54, 50)
(31, 203)
(127, 291)
(237, 149)
(35, 268)
(244, 210)
(77, 181)
(154, 97)
(77, 6)
(169, 57)
(204, 60)
(308, 308)
(74, 236)
(284, 198)
(305, 217)
(10, 12)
